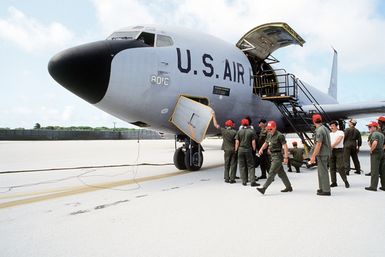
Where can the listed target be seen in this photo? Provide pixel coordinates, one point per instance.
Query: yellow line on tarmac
(85, 189)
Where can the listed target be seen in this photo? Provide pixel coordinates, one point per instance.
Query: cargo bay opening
(258, 44)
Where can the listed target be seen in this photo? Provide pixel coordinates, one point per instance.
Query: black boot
(287, 189)
(370, 189)
(347, 185)
(254, 184)
(324, 193)
(261, 190)
(333, 184)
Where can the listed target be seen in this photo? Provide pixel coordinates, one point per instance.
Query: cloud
(30, 34)
(117, 14)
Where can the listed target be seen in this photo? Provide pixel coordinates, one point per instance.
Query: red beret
(245, 122)
(316, 117)
(381, 118)
(372, 124)
(271, 124)
(229, 123)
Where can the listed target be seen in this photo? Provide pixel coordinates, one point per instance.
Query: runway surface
(90, 198)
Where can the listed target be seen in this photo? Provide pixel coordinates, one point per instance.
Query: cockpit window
(147, 38)
(162, 40)
(125, 35)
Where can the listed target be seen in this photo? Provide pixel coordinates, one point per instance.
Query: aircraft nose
(85, 70)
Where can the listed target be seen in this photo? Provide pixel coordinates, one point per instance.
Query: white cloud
(121, 13)
(30, 34)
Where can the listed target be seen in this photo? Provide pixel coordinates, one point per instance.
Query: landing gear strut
(189, 156)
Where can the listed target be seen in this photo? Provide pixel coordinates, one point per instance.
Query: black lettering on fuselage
(208, 65)
(240, 71)
(234, 73)
(188, 68)
(227, 73)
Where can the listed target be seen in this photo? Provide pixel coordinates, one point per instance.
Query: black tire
(196, 162)
(179, 159)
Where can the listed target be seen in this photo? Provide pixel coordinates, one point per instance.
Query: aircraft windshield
(126, 35)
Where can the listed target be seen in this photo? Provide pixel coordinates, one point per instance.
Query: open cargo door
(263, 40)
(192, 118)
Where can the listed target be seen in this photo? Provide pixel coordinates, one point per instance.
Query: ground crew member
(352, 144)
(245, 143)
(275, 140)
(321, 152)
(381, 123)
(297, 159)
(377, 158)
(228, 146)
(337, 156)
(264, 157)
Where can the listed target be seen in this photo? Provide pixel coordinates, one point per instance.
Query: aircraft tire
(179, 159)
(197, 160)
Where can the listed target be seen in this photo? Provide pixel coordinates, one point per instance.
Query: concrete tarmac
(125, 198)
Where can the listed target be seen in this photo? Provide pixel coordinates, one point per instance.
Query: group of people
(332, 150)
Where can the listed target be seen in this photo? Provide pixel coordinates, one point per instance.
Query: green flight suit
(276, 141)
(297, 159)
(377, 160)
(245, 136)
(264, 158)
(230, 156)
(322, 135)
(337, 165)
(352, 140)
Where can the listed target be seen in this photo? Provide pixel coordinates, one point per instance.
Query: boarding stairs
(284, 92)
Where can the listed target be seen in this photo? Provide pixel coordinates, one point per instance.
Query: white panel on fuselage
(192, 118)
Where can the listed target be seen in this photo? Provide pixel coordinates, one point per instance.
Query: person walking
(321, 152)
(336, 159)
(377, 159)
(276, 141)
(352, 144)
(228, 146)
(245, 143)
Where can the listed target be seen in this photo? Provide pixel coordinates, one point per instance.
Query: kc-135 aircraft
(138, 74)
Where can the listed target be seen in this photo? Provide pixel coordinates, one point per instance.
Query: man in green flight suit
(228, 146)
(244, 145)
(322, 151)
(275, 140)
(352, 144)
(377, 159)
(297, 159)
(264, 157)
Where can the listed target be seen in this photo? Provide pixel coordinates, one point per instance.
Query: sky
(31, 32)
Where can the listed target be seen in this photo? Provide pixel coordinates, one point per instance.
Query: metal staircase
(284, 92)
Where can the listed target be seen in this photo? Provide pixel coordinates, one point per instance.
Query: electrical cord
(80, 177)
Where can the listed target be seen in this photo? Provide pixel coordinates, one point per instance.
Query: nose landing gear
(189, 156)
